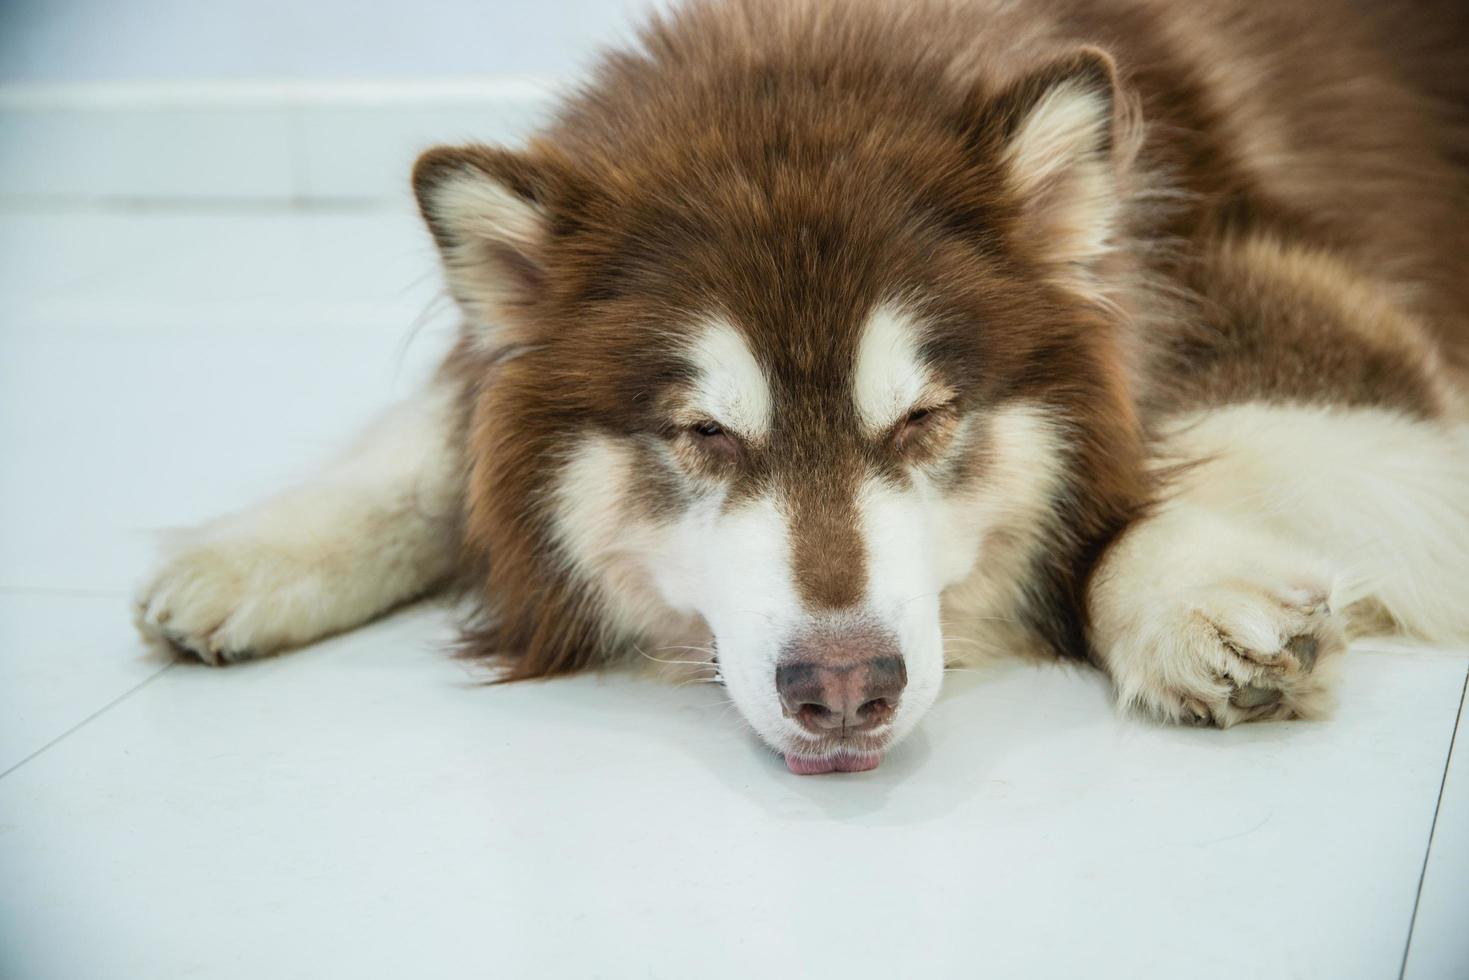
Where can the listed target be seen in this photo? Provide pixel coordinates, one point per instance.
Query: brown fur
(792, 163)
(1287, 323)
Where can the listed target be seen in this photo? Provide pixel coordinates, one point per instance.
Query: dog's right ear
(1064, 137)
(488, 211)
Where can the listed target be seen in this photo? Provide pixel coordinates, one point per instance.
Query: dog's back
(1332, 123)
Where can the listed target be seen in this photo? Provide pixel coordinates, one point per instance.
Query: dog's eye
(914, 424)
(914, 427)
(713, 441)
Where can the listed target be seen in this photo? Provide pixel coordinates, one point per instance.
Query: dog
(837, 341)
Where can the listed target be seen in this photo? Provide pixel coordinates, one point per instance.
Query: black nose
(855, 694)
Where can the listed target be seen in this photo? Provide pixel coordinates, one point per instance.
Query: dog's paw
(1228, 653)
(222, 598)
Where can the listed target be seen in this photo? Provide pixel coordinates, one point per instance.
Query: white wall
(273, 101)
(92, 40)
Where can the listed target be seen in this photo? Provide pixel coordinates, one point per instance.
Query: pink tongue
(806, 766)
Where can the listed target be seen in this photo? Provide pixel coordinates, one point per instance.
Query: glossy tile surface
(366, 808)
(1440, 945)
(64, 656)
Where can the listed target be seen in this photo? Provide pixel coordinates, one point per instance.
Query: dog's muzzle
(842, 687)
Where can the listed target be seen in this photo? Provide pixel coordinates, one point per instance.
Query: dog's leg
(372, 530)
(1293, 525)
(1200, 618)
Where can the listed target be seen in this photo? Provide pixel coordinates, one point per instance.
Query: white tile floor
(365, 809)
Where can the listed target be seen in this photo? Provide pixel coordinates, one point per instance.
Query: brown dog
(838, 340)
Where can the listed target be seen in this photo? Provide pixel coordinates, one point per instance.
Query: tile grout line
(96, 714)
(1433, 827)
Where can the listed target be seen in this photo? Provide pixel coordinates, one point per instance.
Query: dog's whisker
(708, 650)
(671, 663)
(921, 595)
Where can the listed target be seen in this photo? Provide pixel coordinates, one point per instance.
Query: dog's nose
(850, 696)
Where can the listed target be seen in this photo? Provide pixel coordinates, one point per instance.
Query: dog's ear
(489, 212)
(1066, 136)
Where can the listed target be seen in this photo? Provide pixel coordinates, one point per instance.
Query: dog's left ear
(1064, 143)
(488, 210)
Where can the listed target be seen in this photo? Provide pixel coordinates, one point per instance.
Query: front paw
(221, 598)
(1227, 653)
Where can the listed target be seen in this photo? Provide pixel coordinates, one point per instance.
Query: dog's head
(788, 367)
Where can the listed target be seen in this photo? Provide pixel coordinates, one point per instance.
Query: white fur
(479, 212)
(476, 206)
(1297, 521)
(732, 567)
(889, 379)
(615, 552)
(731, 388)
(590, 496)
(928, 550)
(1057, 164)
(905, 575)
(371, 530)
(989, 536)
(1192, 605)
(710, 574)
(1065, 125)
(1383, 497)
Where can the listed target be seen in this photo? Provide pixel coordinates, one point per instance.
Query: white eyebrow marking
(731, 386)
(889, 377)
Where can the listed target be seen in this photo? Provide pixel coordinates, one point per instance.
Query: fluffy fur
(815, 334)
